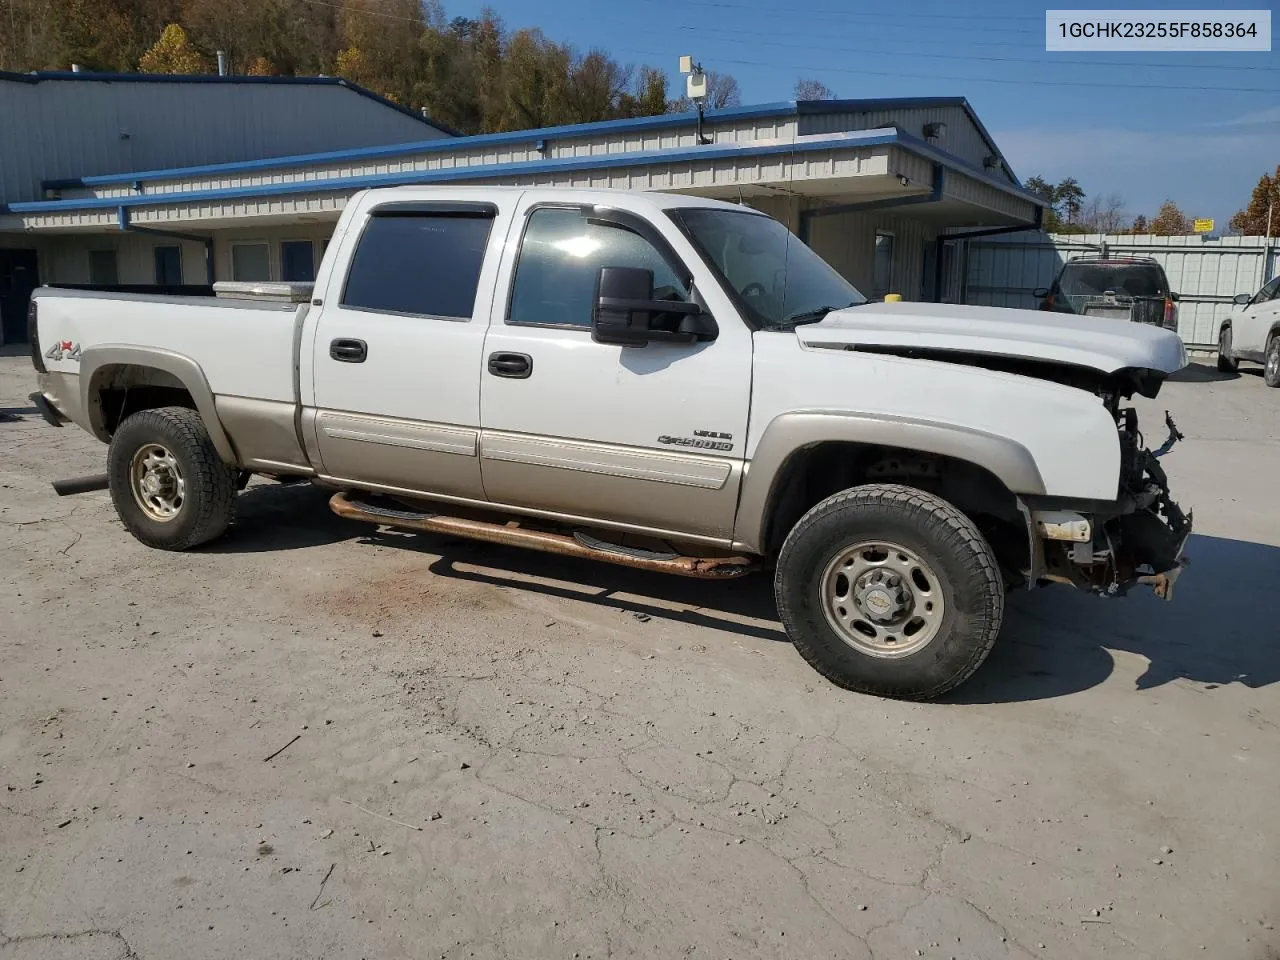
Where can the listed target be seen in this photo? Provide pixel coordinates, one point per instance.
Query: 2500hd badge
(701, 439)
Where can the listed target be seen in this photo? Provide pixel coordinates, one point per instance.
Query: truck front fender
(97, 363)
(788, 434)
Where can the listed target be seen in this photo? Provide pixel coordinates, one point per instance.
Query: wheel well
(814, 473)
(120, 390)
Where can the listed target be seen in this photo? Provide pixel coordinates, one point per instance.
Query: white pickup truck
(660, 381)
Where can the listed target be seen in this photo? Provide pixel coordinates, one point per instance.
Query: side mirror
(626, 312)
(1039, 292)
(1241, 299)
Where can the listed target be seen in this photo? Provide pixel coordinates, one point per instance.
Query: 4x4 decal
(63, 350)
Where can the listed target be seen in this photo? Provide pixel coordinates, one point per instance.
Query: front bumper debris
(1139, 540)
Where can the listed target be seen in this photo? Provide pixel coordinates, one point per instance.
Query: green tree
(1070, 199)
(173, 53)
(1170, 221)
(1262, 214)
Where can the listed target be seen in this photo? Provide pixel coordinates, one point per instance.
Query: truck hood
(962, 334)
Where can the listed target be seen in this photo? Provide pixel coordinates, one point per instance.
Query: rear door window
(419, 262)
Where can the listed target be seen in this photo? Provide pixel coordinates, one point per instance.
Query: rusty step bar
(511, 533)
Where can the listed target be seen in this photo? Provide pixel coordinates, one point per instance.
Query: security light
(935, 131)
(695, 88)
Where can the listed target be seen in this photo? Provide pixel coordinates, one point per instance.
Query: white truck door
(396, 354)
(1250, 327)
(650, 436)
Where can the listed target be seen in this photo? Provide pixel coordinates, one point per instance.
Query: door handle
(348, 351)
(517, 366)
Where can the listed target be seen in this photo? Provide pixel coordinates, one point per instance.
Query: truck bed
(245, 347)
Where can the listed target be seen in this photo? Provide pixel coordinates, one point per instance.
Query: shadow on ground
(1219, 629)
(1201, 373)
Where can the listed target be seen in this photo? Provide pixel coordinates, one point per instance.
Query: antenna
(695, 86)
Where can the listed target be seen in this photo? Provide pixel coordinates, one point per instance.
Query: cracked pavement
(498, 757)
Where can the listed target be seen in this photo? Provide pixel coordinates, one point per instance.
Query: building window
(559, 267)
(297, 261)
(102, 268)
(169, 266)
(250, 262)
(882, 279)
(426, 264)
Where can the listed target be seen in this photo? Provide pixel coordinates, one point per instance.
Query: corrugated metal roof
(89, 76)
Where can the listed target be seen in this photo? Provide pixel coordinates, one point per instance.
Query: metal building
(875, 186)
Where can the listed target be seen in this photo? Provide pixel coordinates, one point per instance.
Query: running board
(513, 534)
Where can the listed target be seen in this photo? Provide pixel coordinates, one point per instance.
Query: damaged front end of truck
(1108, 548)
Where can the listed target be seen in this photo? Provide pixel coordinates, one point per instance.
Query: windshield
(778, 280)
(1122, 279)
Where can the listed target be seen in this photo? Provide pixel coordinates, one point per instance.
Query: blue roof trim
(659, 121)
(857, 138)
(234, 79)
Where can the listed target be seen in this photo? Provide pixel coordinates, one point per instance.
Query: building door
(19, 275)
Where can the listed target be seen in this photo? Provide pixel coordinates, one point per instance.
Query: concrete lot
(505, 755)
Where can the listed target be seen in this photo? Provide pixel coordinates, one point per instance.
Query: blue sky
(1148, 126)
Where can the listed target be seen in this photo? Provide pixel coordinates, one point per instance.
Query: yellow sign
(1204, 225)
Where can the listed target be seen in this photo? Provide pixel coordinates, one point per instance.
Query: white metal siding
(962, 138)
(72, 128)
(1003, 271)
(847, 242)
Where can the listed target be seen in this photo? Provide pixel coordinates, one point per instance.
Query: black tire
(942, 537)
(1271, 362)
(1226, 362)
(207, 504)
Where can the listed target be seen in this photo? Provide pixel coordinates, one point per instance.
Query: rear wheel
(1226, 362)
(1271, 363)
(889, 590)
(169, 486)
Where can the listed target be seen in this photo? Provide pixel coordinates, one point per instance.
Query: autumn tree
(1140, 224)
(812, 90)
(1262, 215)
(1170, 221)
(173, 53)
(261, 67)
(472, 74)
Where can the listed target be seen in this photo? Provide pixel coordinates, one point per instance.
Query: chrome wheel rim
(882, 599)
(1273, 360)
(157, 483)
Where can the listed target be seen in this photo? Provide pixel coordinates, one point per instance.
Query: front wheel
(889, 590)
(1271, 364)
(1226, 362)
(168, 484)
